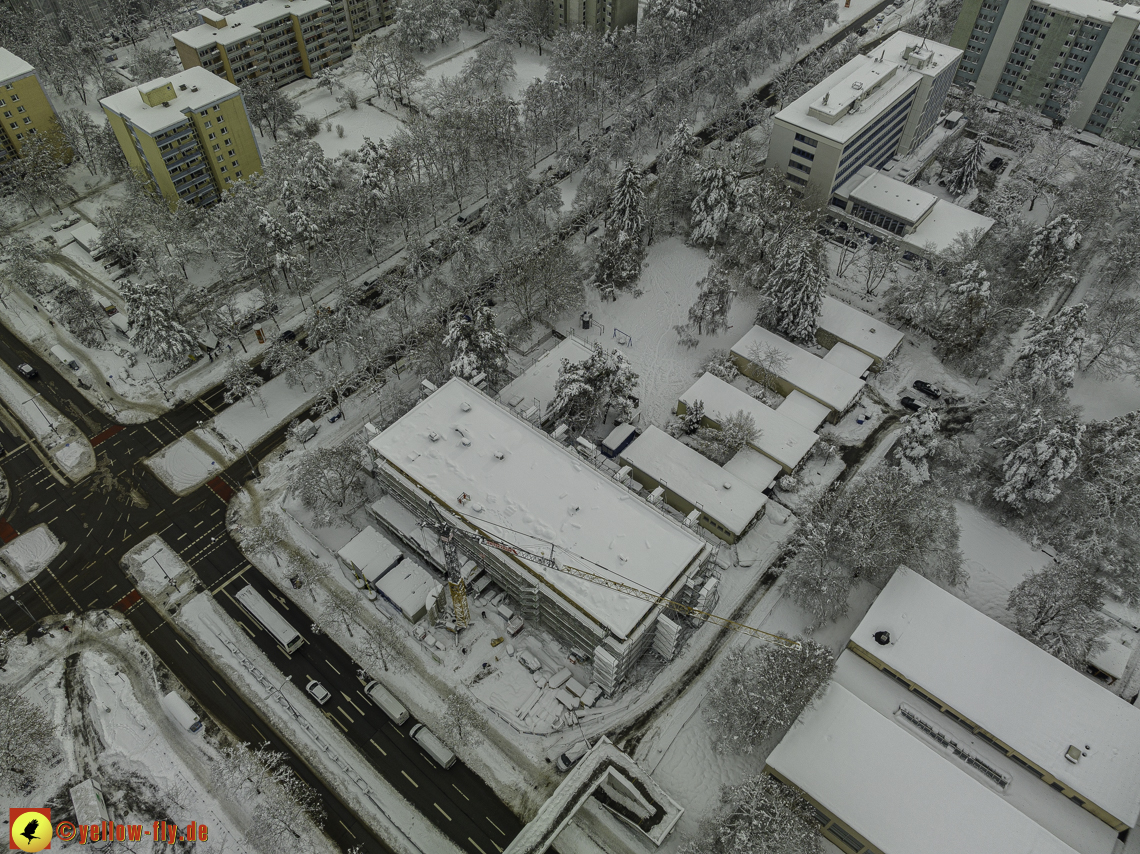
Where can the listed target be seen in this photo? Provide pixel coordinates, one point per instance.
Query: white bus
(180, 710)
(265, 614)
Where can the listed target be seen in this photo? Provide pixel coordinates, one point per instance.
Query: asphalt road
(121, 504)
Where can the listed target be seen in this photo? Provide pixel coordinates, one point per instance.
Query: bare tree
(27, 739)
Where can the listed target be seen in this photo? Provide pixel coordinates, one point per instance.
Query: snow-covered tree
(1050, 250)
(721, 444)
(709, 314)
(1045, 456)
(622, 249)
(288, 358)
(770, 361)
(820, 589)
(241, 381)
(269, 109)
(917, 443)
(588, 390)
(462, 723)
(1052, 351)
(717, 198)
(477, 346)
(965, 314)
(542, 282)
(720, 364)
(793, 294)
(327, 481)
(81, 314)
(694, 415)
(673, 190)
(1114, 338)
(492, 65)
(305, 570)
(157, 331)
(27, 740)
(1058, 608)
(263, 535)
(342, 606)
(420, 23)
(759, 691)
(965, 177)
(760, 816)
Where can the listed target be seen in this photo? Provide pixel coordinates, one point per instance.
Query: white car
(318, 692)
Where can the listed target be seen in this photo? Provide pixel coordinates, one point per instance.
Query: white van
(106, 304)
(305, 430)
(180, 710)
(388, 704)
(64, 357)
(426, 739)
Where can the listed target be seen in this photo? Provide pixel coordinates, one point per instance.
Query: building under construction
(495, 475)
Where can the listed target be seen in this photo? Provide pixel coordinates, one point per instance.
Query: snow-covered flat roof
(1100, 10)
(754, 468)
(858, 329)
(11, 66)
(803, 370)
(784, 440)
(898, 794)
(697, 479)
(943, 225)
(370, 552)
(1011, 688)
(536, 383)
(854, 362)
(804, 410)
(407, 587)
(884, 193)
(203, 89)
(541, 490)
(87, 235)
(267, 11)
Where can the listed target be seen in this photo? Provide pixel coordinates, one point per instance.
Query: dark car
(996, 164)
(929, 390)
(911, 404)
(862, 31)
(27, 371)
(288, 335)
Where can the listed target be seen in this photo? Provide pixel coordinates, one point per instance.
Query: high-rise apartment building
(284, 40)
(1071, 59)
(597, 14)
(366, 16)
(24, 106)
(188, 135)
(868, 111)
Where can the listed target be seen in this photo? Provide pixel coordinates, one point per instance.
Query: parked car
(318, 692)
(996, 164)
(911, 404)
(27, 371)
(335, 416)
(570, 758)
(288, 335)
(929, 390)
(862, 31)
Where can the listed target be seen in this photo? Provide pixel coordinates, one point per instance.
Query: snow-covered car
(570, 758)
(27, 371)
(318, 692)
(929, 390)
(911, 404)
(529, 661)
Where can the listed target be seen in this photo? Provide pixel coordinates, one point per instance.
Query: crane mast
(458, 590)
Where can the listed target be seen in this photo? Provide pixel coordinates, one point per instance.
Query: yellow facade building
(188, 135)
(24, 106)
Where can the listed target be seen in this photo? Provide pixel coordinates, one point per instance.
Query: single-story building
(533, 389)
(754, 468)
(846, 358)
(725, 504)
(408, 587)
(369, 555)
(784, 440)
(90, 239)
(840, 323)
(799, 370)
(804, 410)
(620, 438)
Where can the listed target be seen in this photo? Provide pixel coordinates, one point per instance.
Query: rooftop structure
(831, 386)
(500, 475)
(754, 468)
(407, 586)
(1068, 727)
(865, 113)
(727, 505)
(781, 438)
(855, 362)
(839, 322)
(534, 387)
(1069, 59)
(370, 554)
(804, 410)
(876, 784)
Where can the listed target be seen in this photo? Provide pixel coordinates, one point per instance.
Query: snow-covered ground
(1103, 399)
(57, 435)
(26, 555)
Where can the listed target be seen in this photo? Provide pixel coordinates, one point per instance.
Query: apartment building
(1075, 60)
(865, 113)
(24, 107)
(366, 16)
(602, 15)
(284, 40)
(188, 136)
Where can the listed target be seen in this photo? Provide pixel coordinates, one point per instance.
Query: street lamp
(173, 583)
(43, 414)
(31, 616)
(248, 457)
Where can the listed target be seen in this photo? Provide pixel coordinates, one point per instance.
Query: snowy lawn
(28, 554)
(54, 433)
(1103, 399)
(187, 463)
(997, 560)
(666, 368)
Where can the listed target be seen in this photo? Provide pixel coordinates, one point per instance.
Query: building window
(7, 114)
(238, 174)
(217, 107)
(212, 136)
(217, 147)
(209, 124)
(28, 120)
(807, 140)
(799, 152)
(203, 113)
(223, 169)
(805, 169)
(15, 125)
(15, 98)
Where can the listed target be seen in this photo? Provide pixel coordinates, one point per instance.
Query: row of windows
(799, 152)
(799, 138)
(878, 218)
(805, 169)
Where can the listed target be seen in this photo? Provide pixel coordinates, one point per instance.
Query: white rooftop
(244, 22)
(861, 331)
(943, 225)
(894, 791)
(203, 89)
(542, 491)
(754, 468)
(11, 66)
(697, 479)
(1101, 10)
(876, 82)
(804, 410)
(1011, 688)
(806, 371)
(784, 440)
(407, 587)
(537, 381)
(889, 195)
(371, 553)
(854, 362)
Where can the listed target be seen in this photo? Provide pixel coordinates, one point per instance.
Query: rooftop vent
(872, 330)
(434, 436)
(882, 638)
(727, 485)
(1073, 754)
(857, 84)
(465, 406)
(182, 86)
(466, 442)
(499, 455)
(193, 88)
